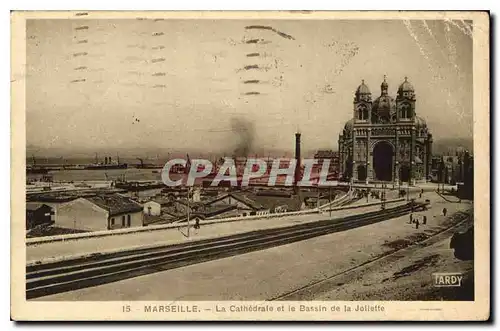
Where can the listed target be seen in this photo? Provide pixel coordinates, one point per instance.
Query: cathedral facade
(385, 140)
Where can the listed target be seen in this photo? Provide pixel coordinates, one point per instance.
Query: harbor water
(130, 174)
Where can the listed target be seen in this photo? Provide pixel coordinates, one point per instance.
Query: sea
(129, 174)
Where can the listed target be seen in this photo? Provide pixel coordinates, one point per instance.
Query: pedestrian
(424, 221)
(416, 224)
(197, 224)
(445, 211)
(411, 218)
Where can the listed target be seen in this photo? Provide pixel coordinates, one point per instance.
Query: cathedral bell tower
(362, 111)
(405, 102)
(362, 104)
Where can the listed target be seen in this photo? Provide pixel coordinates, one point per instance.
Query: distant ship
(35, 169)
(107, 165)
(101, 166)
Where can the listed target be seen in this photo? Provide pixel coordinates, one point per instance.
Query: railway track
(62, 276)
(312, 290)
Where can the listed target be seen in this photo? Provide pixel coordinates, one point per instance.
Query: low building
(38, 214)
(100, 212)
(55, 199)
(245, 205)
(260, 203)
(154, 207)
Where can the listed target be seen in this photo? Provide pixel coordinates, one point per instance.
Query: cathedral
(385, 140)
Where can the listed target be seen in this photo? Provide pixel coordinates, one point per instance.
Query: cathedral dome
(406, 86)
(363, 93)
(384, 106)
(384, 103)
(363, 88)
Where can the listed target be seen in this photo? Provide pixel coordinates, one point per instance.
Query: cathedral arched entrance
(362, 172)
(405, 173)
(382, 161)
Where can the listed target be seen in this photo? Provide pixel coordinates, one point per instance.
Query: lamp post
(330, 201)
(441, 173)
(445, 177)
(366, 172)
(351, 182)
(382, 205)
(318, 198)
(408, 190)
(188, 210)
(399, 178)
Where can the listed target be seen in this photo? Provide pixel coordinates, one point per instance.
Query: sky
(199, 84)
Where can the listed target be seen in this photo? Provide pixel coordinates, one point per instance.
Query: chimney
(297, 158)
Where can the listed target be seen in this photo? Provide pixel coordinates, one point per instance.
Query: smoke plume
(245, 131)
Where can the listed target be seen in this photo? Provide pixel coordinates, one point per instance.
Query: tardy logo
(447, 279)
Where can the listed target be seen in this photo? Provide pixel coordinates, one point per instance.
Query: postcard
(250, 166)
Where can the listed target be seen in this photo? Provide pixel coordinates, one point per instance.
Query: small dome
(406, 86)
(420, 122)
(348, 125)
(363, 88)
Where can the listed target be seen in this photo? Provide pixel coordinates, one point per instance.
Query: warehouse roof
(115, 203)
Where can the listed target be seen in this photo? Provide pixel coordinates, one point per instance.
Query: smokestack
(297, 158)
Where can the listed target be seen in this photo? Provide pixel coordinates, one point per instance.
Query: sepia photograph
(279, 165)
